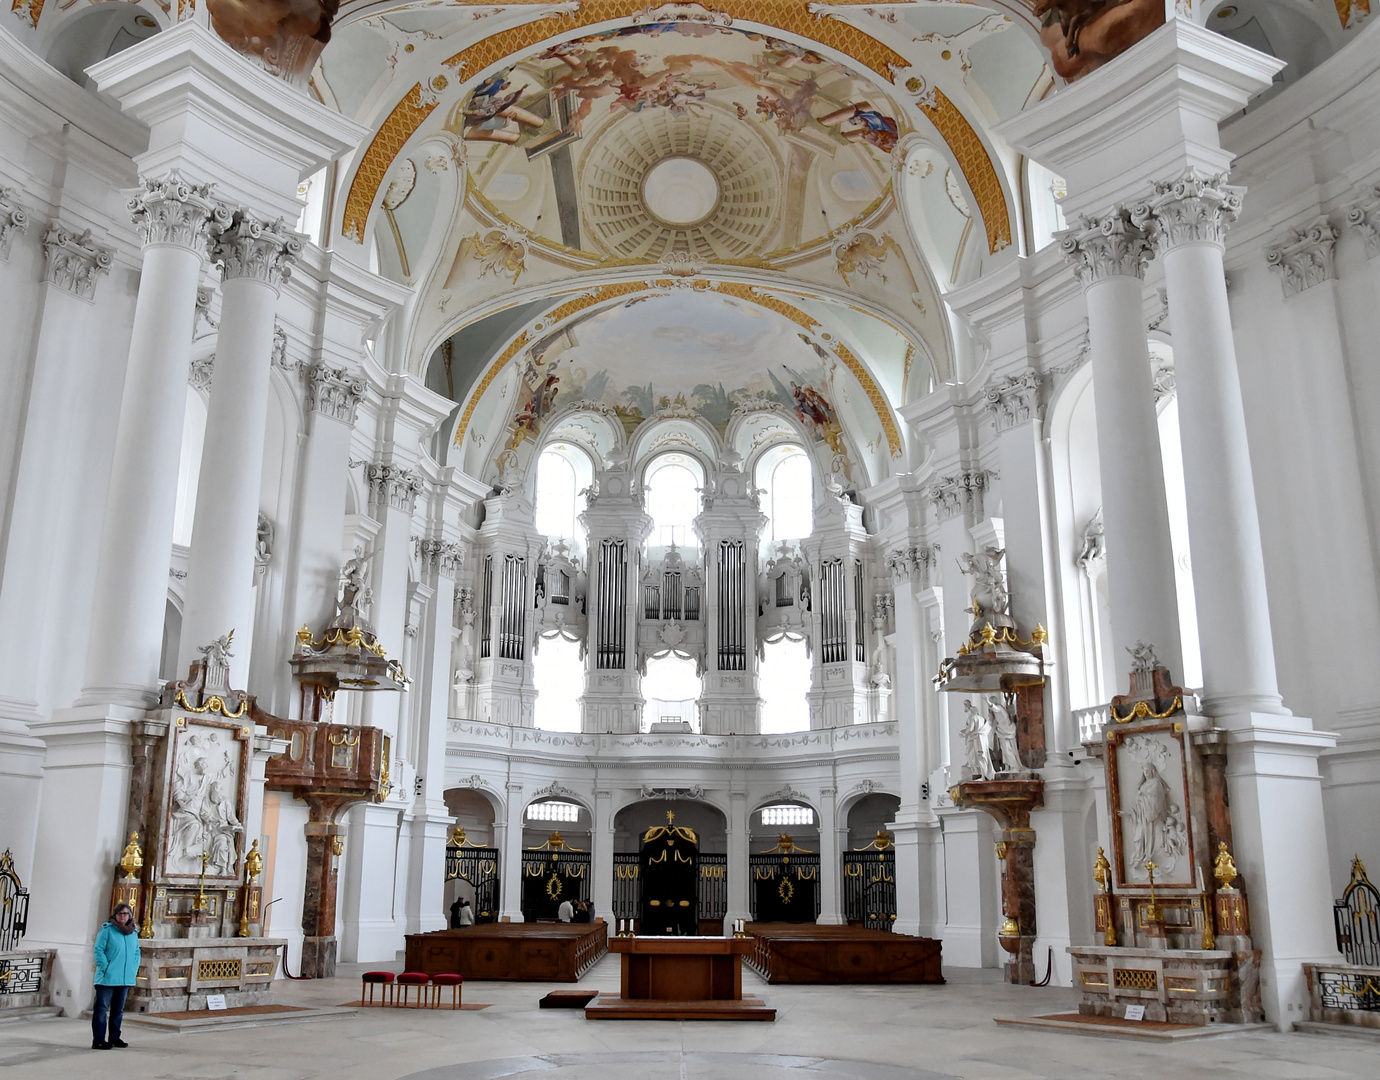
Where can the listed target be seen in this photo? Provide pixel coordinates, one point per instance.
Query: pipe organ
(833, 624)
(513, 609)
(732, 622)
(610, 647)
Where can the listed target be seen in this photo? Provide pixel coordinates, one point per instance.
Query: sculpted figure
(355, 594)
(989, 586)
(1082, 35)
(221, 826)
(1004, 730)
(977, 755)
(286, 35)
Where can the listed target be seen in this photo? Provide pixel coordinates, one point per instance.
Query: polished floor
(822, 1033)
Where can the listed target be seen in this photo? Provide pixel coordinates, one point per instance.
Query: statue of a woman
(977, 755)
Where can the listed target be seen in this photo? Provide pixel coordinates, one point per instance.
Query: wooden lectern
(680, 978)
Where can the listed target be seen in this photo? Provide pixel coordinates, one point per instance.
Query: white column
(972, 889)
(910, 567)
(74, 264)
(132, 575)
(832, 841)
(601, 843)
(511, 868)
(431, 822)
(1109, 254)
(1272, 770)
(255, 259)
(738, 882)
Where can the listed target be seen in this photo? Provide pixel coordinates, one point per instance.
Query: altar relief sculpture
(203, 812)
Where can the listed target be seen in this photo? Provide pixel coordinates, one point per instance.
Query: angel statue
(977, 755)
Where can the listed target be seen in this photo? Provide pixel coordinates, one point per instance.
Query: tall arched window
(783, 472)
(673, 500)
(557, 489)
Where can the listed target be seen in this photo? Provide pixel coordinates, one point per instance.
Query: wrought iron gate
(551, 874)
(785, 887)
(1357, 917)
(712, 890)
(14, 905)
(869, 888)
(478, 866)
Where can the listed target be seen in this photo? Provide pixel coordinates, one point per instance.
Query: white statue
(978, 756)
(989, 584)
(221, 825)
(355, 592)
(1004, 732)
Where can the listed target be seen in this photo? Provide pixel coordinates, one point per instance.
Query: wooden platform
(521, 952)
(613, 1007)
(837, 955)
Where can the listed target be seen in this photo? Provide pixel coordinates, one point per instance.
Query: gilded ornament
(253, 863)
(337, 845)
(132, 861)
(1102, 871)
(1223, 869)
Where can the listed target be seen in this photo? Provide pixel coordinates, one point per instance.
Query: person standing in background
(117, 966)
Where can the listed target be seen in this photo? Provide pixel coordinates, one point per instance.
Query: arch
(89, 35)
(634, 817)
(674, 501)
(496, 798)
(784, 492)
(868, 814)
(690, 434)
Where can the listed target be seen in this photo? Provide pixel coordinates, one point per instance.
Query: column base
(318, 957)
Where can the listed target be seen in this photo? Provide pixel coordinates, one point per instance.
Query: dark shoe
(98, 1045)
(118, 1044)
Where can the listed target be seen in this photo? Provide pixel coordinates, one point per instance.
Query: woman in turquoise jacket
(117, 966)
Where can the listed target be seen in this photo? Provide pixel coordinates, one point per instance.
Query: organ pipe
(732, 594)
(513, 614)
(486, 624)
(611, 640)
(833, 613)
(859, 646)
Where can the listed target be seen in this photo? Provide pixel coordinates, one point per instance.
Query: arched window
(672, 689)
(673, 500)
(784, 473)
(557, 488)
(784, 680)
(558, 675)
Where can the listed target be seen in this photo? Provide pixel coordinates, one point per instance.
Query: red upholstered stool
(454, 982)
(420, 979)
(377, 978)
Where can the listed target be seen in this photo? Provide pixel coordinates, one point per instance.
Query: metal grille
(613, 624)
(713, 887)
(859, 634)
(549, 877)
(1351, 992)
(732, 606)
(1357, 915)
(785, 888)
(627, 888)
(832, 612)
(486, 610)
(14, 905)
(218, 970)
(1135, 979)
(21, 975)
(869, 888)
(478, 866)
(513, 614)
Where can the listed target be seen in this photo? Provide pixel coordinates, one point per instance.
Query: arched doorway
(869, 864)
(472, 858)
(784, 863)
(556, 860)
(710, 827)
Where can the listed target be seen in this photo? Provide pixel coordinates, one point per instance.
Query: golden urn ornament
(132, 861)
(1224, 870)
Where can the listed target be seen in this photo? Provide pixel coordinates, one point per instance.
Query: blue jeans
(110, 1000)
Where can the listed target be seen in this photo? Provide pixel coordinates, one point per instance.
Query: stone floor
(833, 1033)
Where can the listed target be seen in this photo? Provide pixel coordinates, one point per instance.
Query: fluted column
(510, 862)
(132, 575)
(832, 841)
(1109, 254)
(255, 259)
(1189, 218)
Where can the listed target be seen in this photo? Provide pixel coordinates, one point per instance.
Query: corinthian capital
(1014, 400)
(1364, 217)
(1191, 209)
(74, 262)
(1109, 246)
(1303, 257)
(333, 392)
(13, 219)
(172, 211)
(248, 248)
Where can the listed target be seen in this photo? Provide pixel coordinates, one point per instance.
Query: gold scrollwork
(353, 638)
(1142, 711)
(214, 703)
(344, 738)
(786, 891)
(553, 886)
(852, 869)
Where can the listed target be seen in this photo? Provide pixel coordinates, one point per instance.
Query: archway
(472, 857)
(710, 828)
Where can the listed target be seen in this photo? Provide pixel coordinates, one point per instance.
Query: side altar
(187, 871)
(1170, 907)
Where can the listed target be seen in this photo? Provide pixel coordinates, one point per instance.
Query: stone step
(29, 1012)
